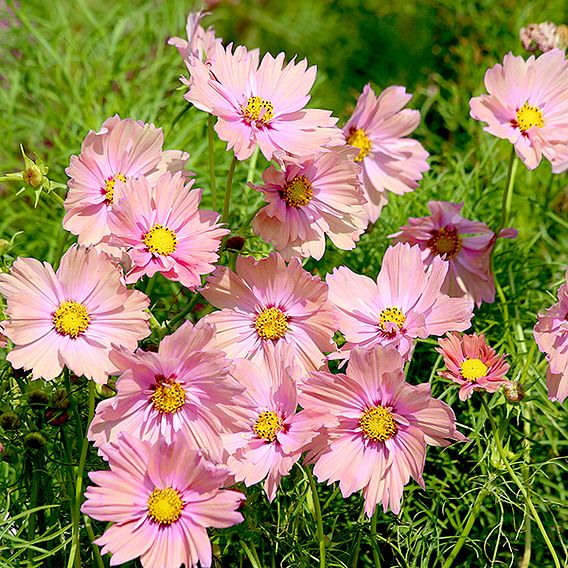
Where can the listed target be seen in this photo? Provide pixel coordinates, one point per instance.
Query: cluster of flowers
(243, 394)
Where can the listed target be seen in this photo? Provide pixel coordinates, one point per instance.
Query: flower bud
(9, 420)
(514, 391)
(35, 440)
(235, 242)
(33, 175)
(37, 397)
(61, 400)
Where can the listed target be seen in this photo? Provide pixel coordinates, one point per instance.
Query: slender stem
(184, 312)
(252, 165)
(319, 521)
(376, 558)
(508, 194)
(467, 527)
(250, 555)
(211, 139)
(56, 197)
(150, 284)
(519, 483)
(57, 259)
(228, 190)
(89, 527)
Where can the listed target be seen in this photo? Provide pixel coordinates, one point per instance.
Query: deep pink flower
(551, 335)
(472, 363)
(73, 316)
(121, 150)
(261, 104)
(465, 245)
(267, 301)
(384, 427)
(185, 387)
(404, 303)
(379, 128)
(161, 498)
(528, 105)
(163, 230)
(310, 199)
(275, 433)
(200, 43)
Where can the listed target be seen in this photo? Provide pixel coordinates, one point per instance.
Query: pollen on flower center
(168, 396)
(529, 116)
(109, 187)
(267, 425)
(359, 139)
(165, 505)
(71, 318)
(445, 242)
(258, 110)
(378, 424)
(473, 369)
(271, 323)
(161, 240)
(391, 315)
(297, 192)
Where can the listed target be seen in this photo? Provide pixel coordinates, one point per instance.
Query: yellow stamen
(359, 139)
(169, 396)
(445, 242)
(529, 116)
(391, 315)
(109, 187)
(378, 424)
(271, 323)
(161, 240)
(258, 110)
(473, 369)
(165, 505)
(297, 192)
(267, 425)
(71, 318)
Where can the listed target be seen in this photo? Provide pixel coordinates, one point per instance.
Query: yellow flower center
(529, 116)
(268, 425)
(445, 242)
(161, 240)
(297, 192)
(271, 323)
(258, 110)
(109, 187)
(359, 139)
(391, 315)
(473, 369)
(165, 505)
(378, 424)
(71, 318)
(168, 395)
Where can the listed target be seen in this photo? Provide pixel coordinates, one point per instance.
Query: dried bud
(9, 420)
(35, 440)
(235, 242)
(37, 397)
(514, 391)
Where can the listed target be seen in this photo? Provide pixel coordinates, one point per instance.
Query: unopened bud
(37, 397)
(5, 246)
(9, 420)
(33, 175)
(514, 391)
(35, 440)
(235, 242)
(61, 400)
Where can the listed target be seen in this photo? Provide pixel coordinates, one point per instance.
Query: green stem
(376, 557)
(252, 165)
(211, 139)
(250, 555)
(184, 312)
(150, 284)
(526, 560)
(56, 197)
(89, 527)
(319, 522)
(508, 194)
(519, 484)
(228, 190)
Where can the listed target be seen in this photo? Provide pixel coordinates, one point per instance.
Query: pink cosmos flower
(184, 388)
(161, 498)
(121, 150)
(384, 427)
(200, 43)
(163, 230)
(261, 104)
(71, 317)
(404, 303)
(472, 364)
(528, 105)
(275, 434)
(465, 245)
(551, 335)
(379, 128)
(267, 302)
(310, 199)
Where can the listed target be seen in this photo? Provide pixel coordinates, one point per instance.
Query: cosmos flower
(465, 245)
(384, 427)
(551, 335)
(309, 200)
(121, 150)
(267, 301)
(261, 103)
(275, 433)
(71, 317)
(379, 128)
(183, 388)
(162, 230)
(161, 498)
(200, 43)
(404, 303)
(472, 363)
(528, 105)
